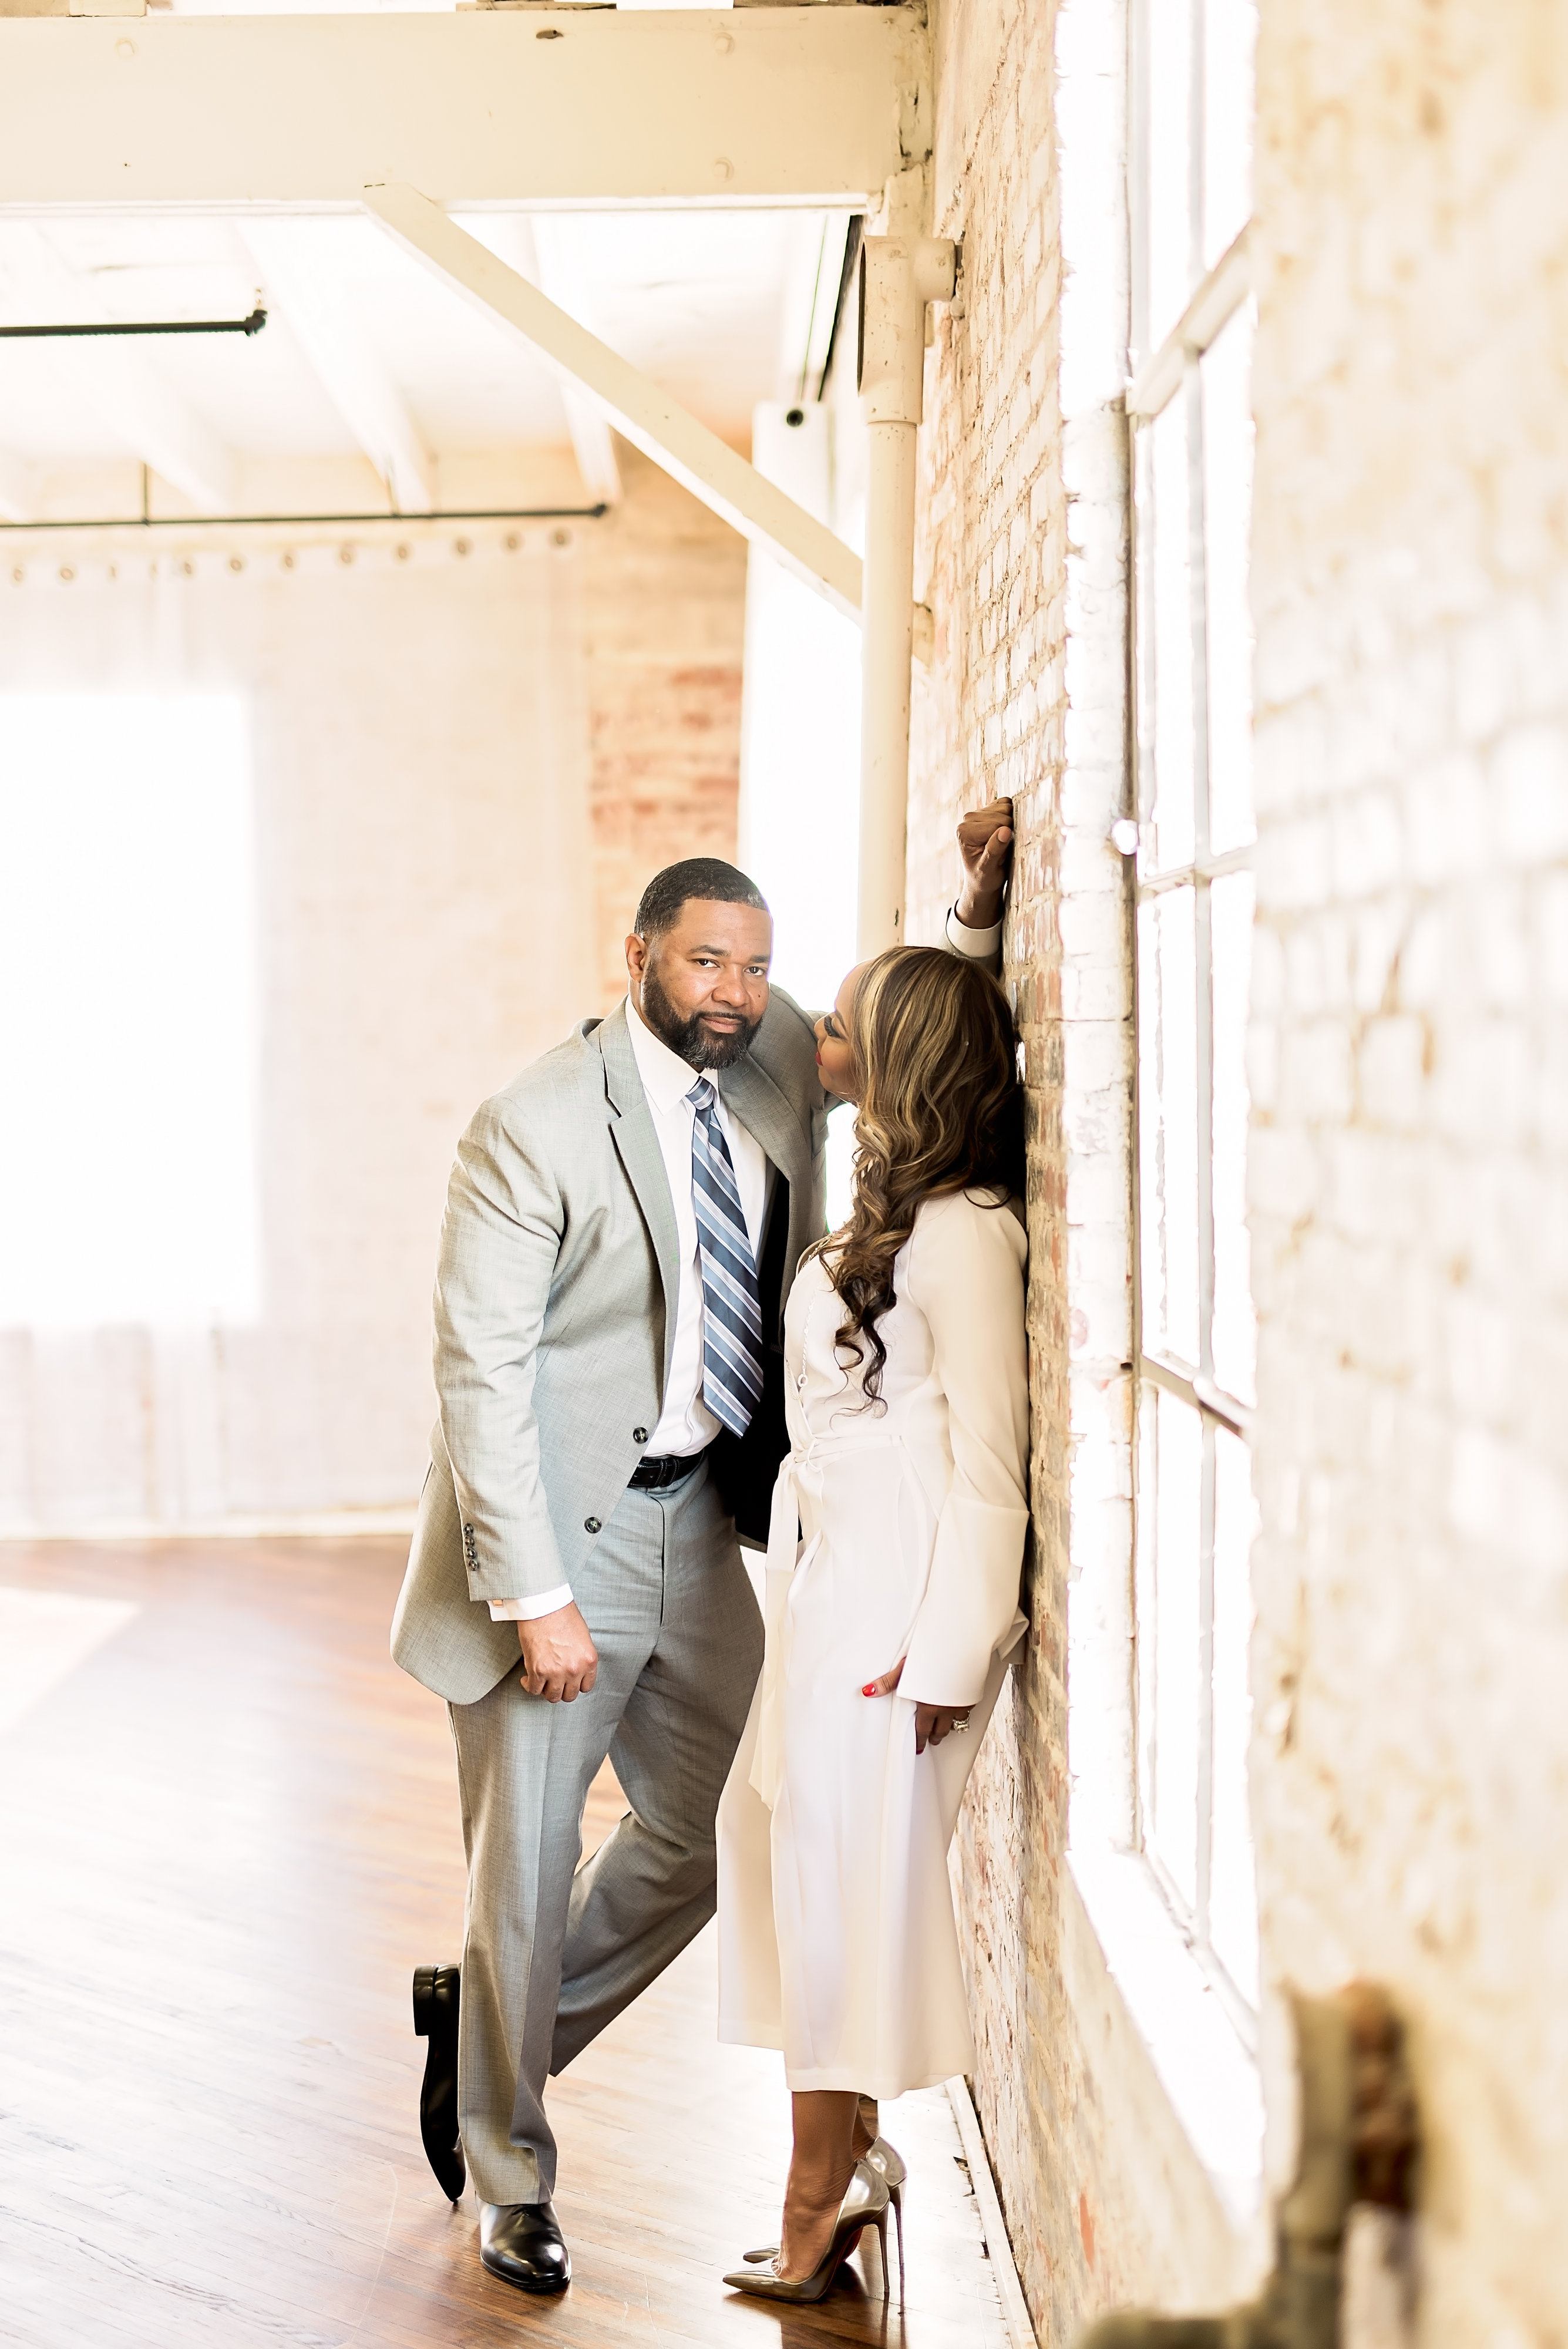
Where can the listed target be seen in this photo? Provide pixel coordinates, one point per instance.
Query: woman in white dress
(892, 1578)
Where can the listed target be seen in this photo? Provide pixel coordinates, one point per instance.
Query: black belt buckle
(656, 1471)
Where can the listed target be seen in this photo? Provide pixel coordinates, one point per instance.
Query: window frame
(1171, 372)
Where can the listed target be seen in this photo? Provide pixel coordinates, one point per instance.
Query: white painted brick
(1391, 1072)
(1446, 819)
(1094, 927)
(1262, 1062)
(1505, 972)
(1294, 864)
(1096, 1058)
(1481, 1080)
(1426, 959)
(1501, 1494)
(1377, 934)
(1283, 1182)
(1317, 1079)
(1411, 591)
(1530, 774)
(1549, 935)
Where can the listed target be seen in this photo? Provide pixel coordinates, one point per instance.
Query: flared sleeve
(964, 1271)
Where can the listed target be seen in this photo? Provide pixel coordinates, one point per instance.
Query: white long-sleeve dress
(837, 1937)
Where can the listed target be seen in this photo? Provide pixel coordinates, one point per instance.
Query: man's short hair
(659, 907)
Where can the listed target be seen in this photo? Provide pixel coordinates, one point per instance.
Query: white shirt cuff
(525, 1611)
(977, 945)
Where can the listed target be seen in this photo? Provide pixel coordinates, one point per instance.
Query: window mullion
(1214, 304)
(1206, 1682)
(1204, 959)
(1138, 110)
(1197, 76)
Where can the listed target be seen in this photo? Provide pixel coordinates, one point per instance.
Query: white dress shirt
(685, 1424)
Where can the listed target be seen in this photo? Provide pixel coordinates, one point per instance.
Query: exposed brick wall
(664, 587)
(1410, 1144)
(1410, 1182)
(989, 719)
(1024, 557)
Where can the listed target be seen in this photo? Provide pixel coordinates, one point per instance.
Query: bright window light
(127, 1025)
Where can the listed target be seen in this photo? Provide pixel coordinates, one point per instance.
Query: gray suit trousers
(551, 1953)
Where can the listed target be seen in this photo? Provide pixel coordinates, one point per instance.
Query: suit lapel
(751, 1094)
(631, 1129)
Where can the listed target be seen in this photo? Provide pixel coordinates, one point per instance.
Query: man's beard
(689, 1038)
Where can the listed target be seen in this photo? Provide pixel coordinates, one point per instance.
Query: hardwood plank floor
(229, 1831)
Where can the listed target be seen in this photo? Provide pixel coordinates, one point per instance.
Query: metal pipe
(888, 623)
(251, 326)
(300, 520)
(899, 276)
(847, 277)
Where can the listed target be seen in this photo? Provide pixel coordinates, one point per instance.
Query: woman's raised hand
(985, 845)
(932, 1722)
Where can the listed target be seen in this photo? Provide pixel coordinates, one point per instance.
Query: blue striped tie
(732, 1316)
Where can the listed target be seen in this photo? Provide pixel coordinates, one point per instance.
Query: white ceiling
(717, 307)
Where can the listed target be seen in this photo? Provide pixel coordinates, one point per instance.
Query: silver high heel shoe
(888, 2163)
(864, 2204)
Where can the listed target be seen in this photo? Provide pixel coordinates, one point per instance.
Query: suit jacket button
(640, 1436)
(590, 1524)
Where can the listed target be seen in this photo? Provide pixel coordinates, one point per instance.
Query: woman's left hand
(932, 1722)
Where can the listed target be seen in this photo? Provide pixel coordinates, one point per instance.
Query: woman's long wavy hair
(941, 1110)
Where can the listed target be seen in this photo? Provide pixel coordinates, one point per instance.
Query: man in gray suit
(622, 1226)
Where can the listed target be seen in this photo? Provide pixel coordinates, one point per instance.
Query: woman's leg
(820, 2170)
(867, 2126)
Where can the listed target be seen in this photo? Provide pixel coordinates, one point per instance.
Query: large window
(1189, 412)
(127, 1042)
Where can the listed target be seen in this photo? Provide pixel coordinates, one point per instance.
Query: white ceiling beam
(640, 410)
(537, 250)
(140, 408)
(299, 280)
(527, 106)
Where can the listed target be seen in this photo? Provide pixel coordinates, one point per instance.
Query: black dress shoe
(436, 1990)
(521, 2243)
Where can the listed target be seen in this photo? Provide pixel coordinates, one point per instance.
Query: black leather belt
(656, 1470)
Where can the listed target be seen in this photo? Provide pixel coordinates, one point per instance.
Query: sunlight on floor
(44, 1636)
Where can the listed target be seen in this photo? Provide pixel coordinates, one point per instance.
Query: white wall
(800, 727)
(423, 917)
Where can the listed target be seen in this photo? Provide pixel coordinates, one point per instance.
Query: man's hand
(932, 1722)
(985, 844)
(559, 1659)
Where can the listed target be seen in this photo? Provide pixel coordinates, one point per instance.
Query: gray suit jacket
(555, 1312)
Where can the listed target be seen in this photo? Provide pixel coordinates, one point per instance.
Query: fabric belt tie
(789, 1560)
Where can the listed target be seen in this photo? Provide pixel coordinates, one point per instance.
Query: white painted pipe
(900, 276)
(887, 618)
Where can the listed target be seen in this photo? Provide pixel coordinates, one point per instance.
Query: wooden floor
(228, 1832)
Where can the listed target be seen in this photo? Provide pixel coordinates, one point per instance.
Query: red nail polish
(870, 1689)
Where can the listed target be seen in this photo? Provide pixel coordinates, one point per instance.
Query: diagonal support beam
(538, 256)
(310, 296)
(640, 411)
